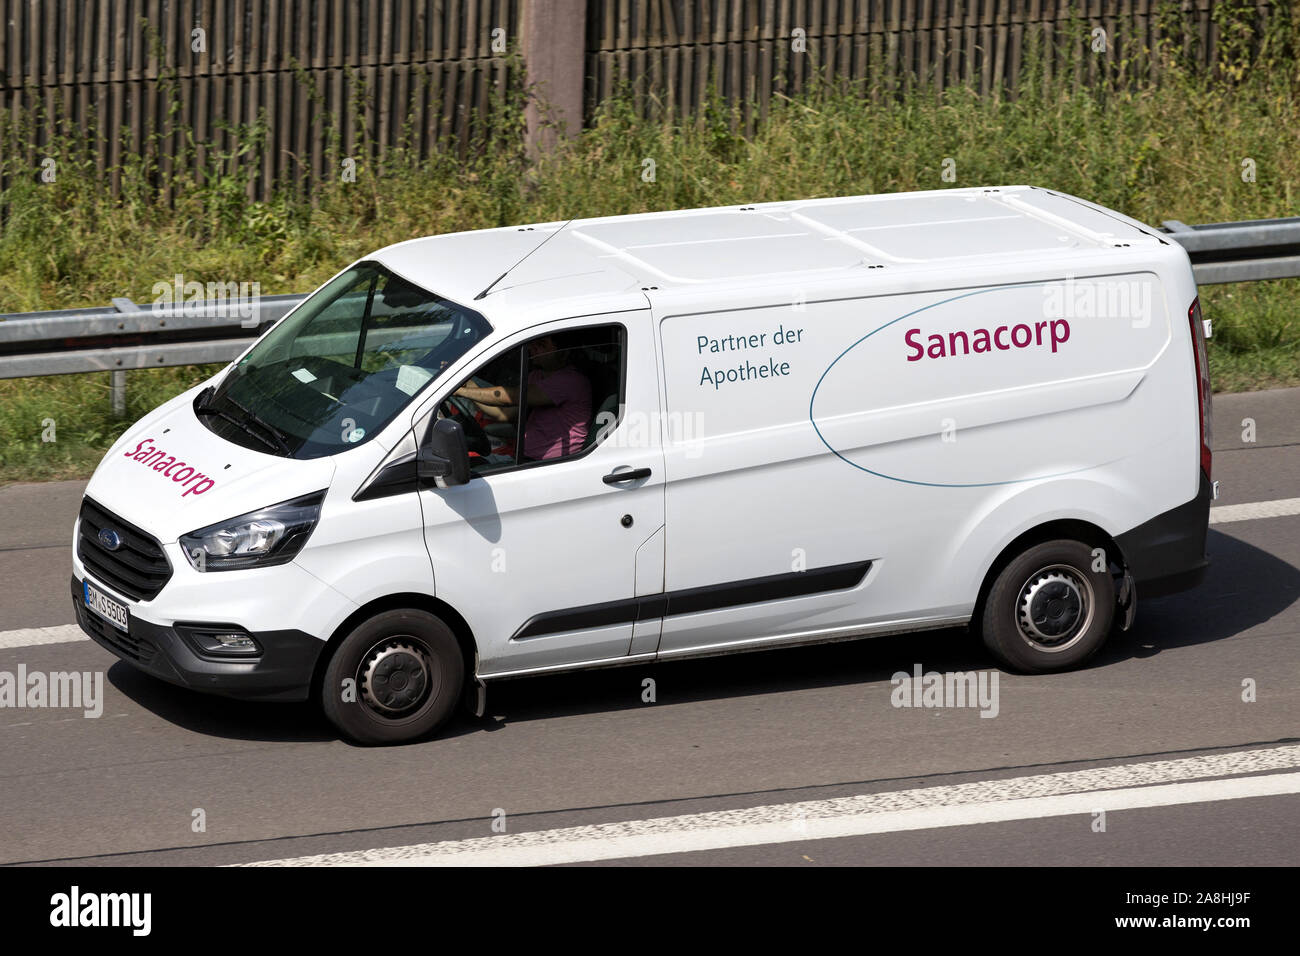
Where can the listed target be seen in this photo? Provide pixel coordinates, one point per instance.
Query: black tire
(406, 672)
(1048, 610)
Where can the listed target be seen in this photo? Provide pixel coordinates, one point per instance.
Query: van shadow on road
(1245, 586)
(220, 716)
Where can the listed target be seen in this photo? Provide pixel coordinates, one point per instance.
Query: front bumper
(282, 672)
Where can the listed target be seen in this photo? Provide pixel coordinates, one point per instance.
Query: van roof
(605, 264)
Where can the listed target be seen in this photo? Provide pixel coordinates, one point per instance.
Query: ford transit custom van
(566, 445)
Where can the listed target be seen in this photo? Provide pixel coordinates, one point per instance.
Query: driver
(558, 401)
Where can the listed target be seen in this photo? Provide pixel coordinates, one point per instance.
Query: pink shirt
(553, 431)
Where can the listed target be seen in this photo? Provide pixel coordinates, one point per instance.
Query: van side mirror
(444, 453)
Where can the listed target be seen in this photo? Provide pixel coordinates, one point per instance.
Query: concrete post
(554, 46)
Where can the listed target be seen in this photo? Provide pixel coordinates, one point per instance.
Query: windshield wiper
(277, 437)
(205, 410)
(204, 407)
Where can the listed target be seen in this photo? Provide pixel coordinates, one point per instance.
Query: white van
(638, 438)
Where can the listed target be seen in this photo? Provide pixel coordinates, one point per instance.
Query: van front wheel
(1048, 610)
(396, 677)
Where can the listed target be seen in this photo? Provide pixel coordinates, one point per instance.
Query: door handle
(617, 477)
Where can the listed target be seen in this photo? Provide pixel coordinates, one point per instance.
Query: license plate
(112, 611)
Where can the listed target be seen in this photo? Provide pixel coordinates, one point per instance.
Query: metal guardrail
(1240, 251)
(127, 336)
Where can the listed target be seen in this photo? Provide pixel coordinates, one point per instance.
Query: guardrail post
(118, 387)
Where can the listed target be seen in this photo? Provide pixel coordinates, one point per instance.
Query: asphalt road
(782, 732)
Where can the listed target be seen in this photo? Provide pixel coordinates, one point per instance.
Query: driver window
(490, 422)
(547, 400)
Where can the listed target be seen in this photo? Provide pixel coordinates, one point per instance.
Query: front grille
(138, 649)
(138, 569)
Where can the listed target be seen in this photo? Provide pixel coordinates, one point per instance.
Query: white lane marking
(57, 720)
(575, 848)
(1124, 787)
(32, 636)
(1255, 509)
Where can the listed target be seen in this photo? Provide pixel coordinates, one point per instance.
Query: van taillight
(1204, 406)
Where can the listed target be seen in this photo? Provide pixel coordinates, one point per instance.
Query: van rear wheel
(397, 677)
(1048, 610)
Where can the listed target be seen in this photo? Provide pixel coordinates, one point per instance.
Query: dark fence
(324, 76)
(668, 52)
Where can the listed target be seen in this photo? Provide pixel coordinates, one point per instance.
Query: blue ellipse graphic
(910, 481)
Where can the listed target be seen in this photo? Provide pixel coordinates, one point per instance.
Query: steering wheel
(476, 439)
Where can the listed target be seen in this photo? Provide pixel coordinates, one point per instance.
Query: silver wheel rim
(1054, 609)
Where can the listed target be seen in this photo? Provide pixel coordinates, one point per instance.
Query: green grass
(79, 406)
(1171, 150)
(1256, 334)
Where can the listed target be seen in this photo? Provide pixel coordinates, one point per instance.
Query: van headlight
(261, 538)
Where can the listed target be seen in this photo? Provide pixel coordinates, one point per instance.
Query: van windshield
(338, 369)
